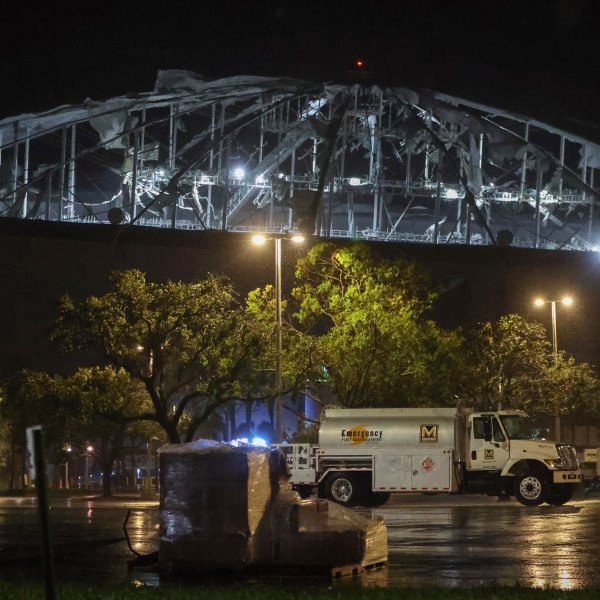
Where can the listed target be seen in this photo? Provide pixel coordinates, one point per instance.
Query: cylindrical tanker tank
(365, 430)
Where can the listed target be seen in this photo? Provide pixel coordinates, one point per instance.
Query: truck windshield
(523, 428)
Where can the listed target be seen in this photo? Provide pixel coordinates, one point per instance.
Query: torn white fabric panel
(406, 95)
(110, 127)
(589, 157)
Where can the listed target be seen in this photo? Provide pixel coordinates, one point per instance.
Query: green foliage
(366, 318)
(506, 363)
(99, 405)
(34, 398)
(572, 389)
(192, 345)
(509, 363)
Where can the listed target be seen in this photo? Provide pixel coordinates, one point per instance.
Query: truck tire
(375, 499)
(304, 491)
(560, 494)
(531, 489)
(343, 488)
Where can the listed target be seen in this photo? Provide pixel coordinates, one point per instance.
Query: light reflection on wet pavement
(448, 541)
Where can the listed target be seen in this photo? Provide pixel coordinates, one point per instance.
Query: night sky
(539, 57)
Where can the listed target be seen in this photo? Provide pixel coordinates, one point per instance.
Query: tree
(505, 363)
(365, 316)
(33, 398)
(572, 389)
(299, 363)
(108, 402)
(192, 345)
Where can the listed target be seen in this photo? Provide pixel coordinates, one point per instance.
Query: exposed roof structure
(277, 155)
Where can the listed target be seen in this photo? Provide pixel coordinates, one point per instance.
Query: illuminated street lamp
(67, 449)
(567, 301)
(261, 239)
(88, 451)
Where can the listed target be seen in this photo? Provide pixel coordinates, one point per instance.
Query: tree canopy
(509, 363)
(193, 346)
(366, 316)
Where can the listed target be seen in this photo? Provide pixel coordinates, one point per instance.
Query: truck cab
(508, 453)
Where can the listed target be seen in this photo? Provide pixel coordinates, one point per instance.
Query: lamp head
(259, 239)
(538, 301)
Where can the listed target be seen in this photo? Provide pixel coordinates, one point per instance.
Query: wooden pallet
(263, 572)
(353, 570)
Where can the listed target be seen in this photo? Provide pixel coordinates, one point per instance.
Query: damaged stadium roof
(256, 153)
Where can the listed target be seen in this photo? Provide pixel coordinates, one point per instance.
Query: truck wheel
(304, 491)
(531, 489)
(376, 499)
(560, 494)
(343, 489)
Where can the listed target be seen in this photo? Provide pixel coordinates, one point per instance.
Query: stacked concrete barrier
(226, 508)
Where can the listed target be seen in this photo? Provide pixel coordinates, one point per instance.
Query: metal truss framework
(263, 154)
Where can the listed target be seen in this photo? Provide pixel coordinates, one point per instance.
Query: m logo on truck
(429, 434)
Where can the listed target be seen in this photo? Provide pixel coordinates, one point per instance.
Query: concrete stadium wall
(40, 261)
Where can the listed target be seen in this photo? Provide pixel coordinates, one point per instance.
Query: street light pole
(278, 408)
(554, 338)
(279, 399)
(567, 301)
(88, 451)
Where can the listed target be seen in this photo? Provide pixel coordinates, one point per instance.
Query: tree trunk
(11, 463)
(107, 467)
(172, 433)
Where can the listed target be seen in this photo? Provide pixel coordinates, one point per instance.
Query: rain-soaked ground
(433, 540)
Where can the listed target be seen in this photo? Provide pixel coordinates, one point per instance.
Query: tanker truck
(365, 455)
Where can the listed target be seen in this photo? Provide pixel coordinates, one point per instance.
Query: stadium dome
(268, 154)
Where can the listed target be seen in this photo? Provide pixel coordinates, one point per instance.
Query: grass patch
(274, 592)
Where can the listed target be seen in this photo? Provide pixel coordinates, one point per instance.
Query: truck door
(488, 446)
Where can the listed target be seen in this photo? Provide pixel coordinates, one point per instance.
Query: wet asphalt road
(433, 540)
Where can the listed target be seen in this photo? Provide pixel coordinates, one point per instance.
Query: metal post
(143, 138)
(15, 165)
(172, 133)
(279, 400)
(562, 164)
(71, 183)
(538, 189)
(134, 174)
(26, 175)
(591, 215)
(438, 200)
(555, 356)
(40, 485)
(211, 158)
(554, 338)
(524, 165)
(87, 470)
(61, 173)
(148, 480)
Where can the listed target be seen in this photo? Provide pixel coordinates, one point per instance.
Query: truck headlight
(554, 463)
